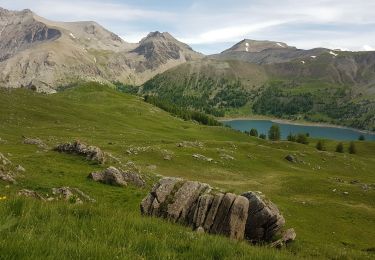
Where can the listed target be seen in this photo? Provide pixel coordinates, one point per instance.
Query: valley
(132, 130)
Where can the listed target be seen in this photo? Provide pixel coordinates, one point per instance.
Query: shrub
(340, 148)
(302, 139)
(352, 149)
(320, 145)
(253, 132)
(263, 136)
(361, 138)
(274, 133)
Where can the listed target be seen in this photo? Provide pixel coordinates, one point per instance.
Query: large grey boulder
(248, 216)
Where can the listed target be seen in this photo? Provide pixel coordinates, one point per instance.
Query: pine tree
(274, 133)
(352, 148)
(340, 148)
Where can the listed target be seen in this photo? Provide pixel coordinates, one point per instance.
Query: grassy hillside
(329, 224)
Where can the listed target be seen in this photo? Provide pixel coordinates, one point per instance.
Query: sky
(211, 26)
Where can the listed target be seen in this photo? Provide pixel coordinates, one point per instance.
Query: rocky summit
(248, 216)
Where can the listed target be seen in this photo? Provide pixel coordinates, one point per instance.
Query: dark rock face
(92, 153)
(248, 216)
(264, 218)
(116, 177)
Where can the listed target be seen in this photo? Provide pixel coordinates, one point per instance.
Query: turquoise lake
(334, 133)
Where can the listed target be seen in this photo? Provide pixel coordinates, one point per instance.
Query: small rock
(19, 168)
(200, 230)
(287, 237)
(30, 194)
(34, 141)
(202, 158)
(290, 158)
(345, 193)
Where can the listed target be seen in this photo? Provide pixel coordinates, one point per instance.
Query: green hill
(327, 197)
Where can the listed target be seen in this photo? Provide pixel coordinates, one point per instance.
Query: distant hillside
(43, 55)
(271, 78)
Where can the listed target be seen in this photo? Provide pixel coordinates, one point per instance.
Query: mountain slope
(42, 54)
(271, 78)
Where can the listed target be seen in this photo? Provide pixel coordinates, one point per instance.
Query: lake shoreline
(293, 122)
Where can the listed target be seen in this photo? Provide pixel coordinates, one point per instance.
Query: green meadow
(327, 197)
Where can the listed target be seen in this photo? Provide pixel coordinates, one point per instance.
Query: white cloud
(229, 33)
(368, 48)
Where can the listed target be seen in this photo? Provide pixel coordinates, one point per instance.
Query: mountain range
(42, 54)
(262, 77)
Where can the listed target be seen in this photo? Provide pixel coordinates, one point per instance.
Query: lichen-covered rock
(117, 177)
(238, 217)
(151, 204)
(184, 199)
(248, 216)
(92, 153)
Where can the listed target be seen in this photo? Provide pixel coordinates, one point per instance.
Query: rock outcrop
(92, 153)
(248, 216)
(117, 177)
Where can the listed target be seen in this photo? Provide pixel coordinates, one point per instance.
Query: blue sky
(211, 26)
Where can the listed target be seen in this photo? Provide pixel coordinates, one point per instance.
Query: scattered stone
(7, 178)
(34, 141)
(136, 150)
(4, 161)
(185, 144)
(226, 157)
(19, 168)
(200, 230)
(117, 177)
(73, 195)
(291, 158)
(287, 237)
(30, 194)
(92, 153)
(202, 158)
(345, 193)
(248, 216)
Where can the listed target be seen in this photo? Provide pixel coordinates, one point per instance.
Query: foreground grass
(329, 224)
